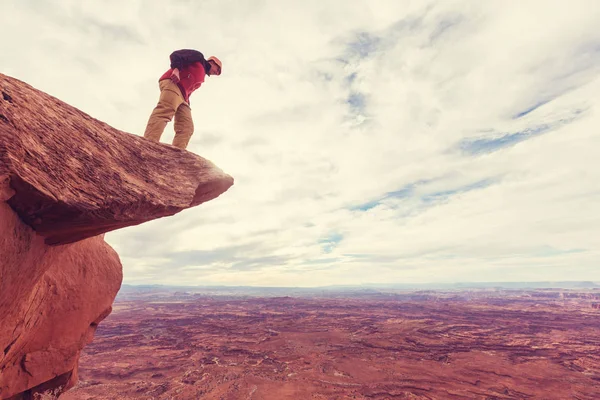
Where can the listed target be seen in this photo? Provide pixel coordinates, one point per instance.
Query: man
(187, 73)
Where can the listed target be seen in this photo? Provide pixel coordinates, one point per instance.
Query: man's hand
(175, 75)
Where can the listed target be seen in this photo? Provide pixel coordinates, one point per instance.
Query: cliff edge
(66, 179)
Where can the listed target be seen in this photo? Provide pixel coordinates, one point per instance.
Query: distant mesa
(65, 180)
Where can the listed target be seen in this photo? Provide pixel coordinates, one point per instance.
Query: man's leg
(170, 99)
(184, 126)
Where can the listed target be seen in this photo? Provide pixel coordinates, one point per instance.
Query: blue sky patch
(531, 109)
(363, 45)
(405, 192)
(350, 79)
(330, 242)
(410, 191)
(356, 101)
(548, 251)
(485, 145)
(482, 184)
(489, 145)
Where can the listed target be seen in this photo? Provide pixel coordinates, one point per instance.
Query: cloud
(370, 141)
(236, 258)
(476, 146)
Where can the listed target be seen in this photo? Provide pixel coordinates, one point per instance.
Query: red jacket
(192, 70)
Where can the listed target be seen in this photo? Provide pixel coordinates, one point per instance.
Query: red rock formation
(76, 177)
(51, 300)
(65, 180)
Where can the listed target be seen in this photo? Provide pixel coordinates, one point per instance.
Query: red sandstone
(65, 180)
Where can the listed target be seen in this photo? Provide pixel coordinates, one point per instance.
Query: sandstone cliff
(66, 179)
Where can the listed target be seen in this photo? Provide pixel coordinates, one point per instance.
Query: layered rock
(51, 300)
(66, 179)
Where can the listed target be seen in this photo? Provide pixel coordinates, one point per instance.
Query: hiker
(187, 72)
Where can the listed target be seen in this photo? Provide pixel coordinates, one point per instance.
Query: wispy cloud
(499, 141)
(445, 26)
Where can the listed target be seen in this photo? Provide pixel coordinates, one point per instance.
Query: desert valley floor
(476, 344)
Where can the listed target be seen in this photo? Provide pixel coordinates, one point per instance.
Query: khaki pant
(170, 104)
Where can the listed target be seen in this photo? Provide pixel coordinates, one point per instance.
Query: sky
(371, 141)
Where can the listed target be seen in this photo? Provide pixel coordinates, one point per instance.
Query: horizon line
(362, 285)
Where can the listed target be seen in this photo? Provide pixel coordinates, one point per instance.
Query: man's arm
(182, 58)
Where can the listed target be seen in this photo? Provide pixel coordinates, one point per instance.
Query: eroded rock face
(76, 177)
(51, 300)
(65, 180)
